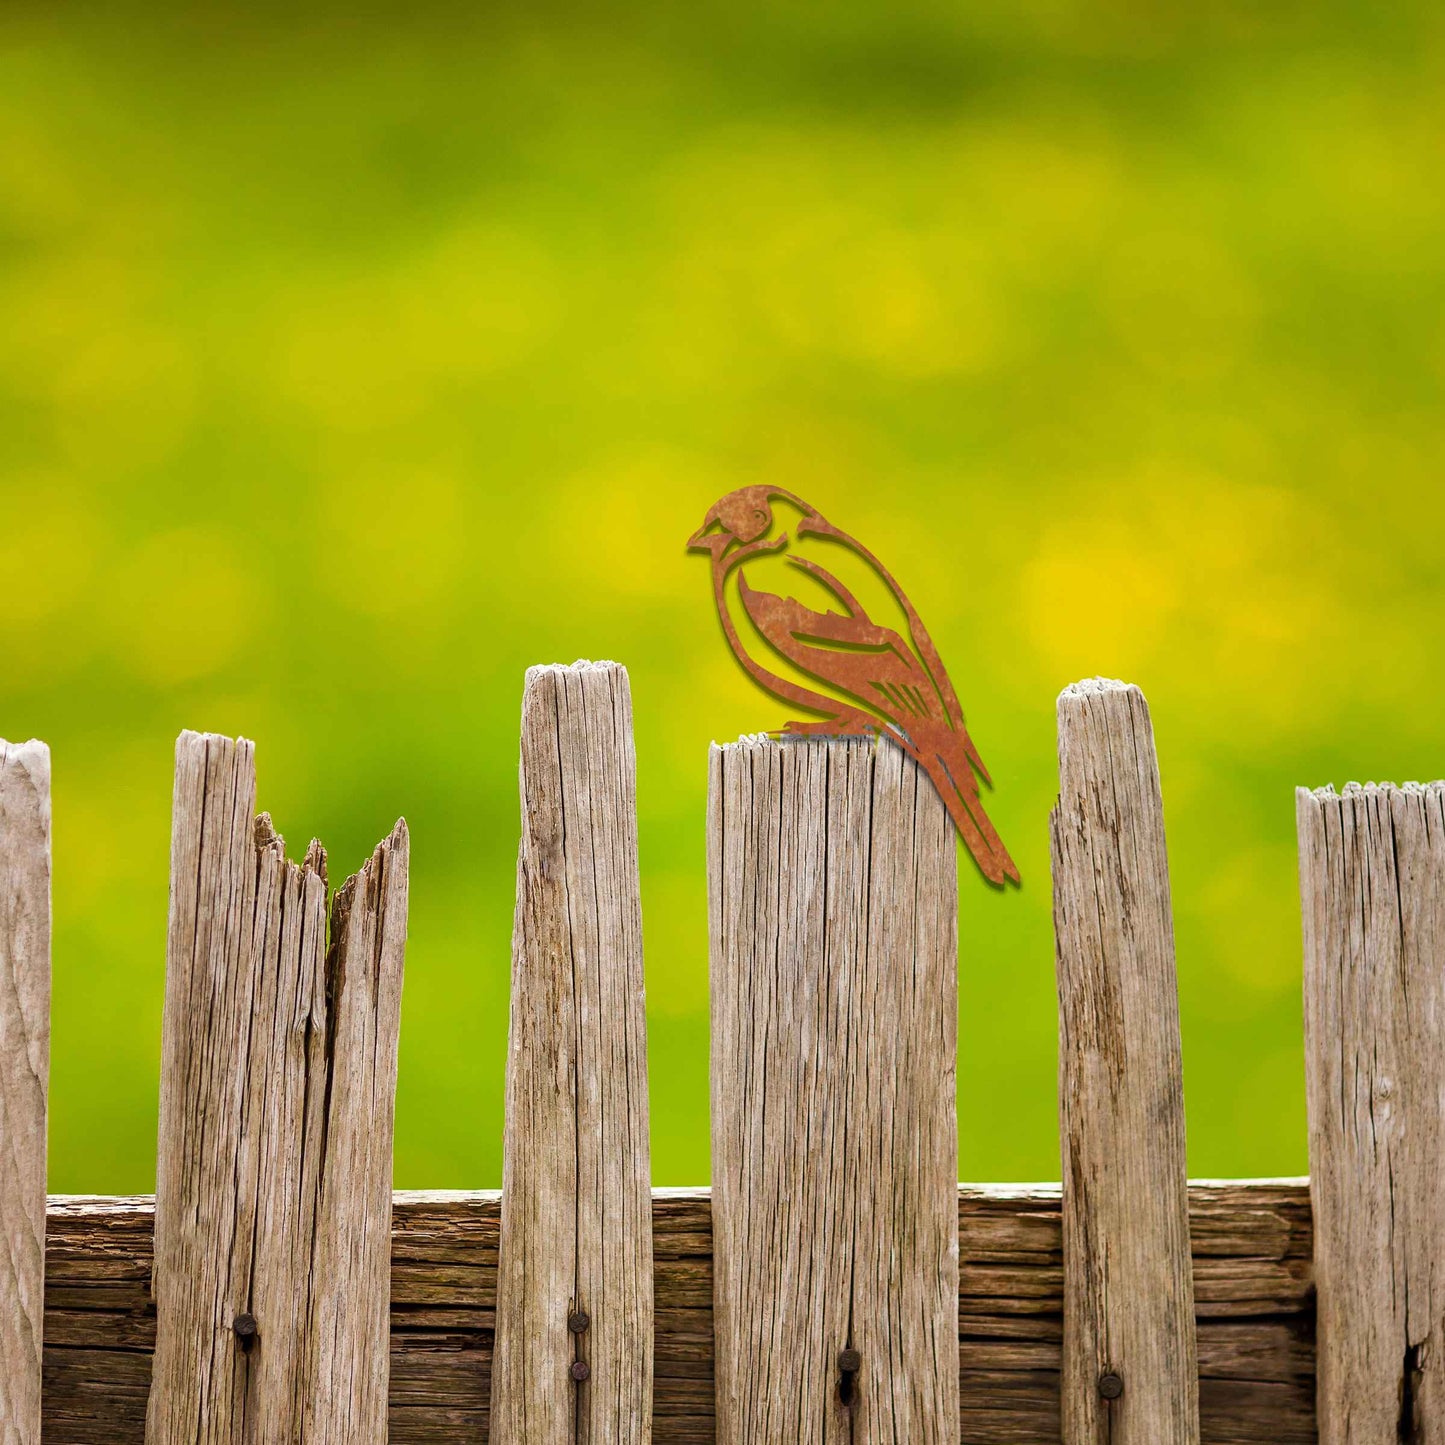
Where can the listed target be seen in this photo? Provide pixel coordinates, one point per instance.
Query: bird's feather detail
(877, 669)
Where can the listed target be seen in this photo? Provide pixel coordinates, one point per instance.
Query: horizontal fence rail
(1252, 1283)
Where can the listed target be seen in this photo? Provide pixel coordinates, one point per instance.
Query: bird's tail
(952, 773)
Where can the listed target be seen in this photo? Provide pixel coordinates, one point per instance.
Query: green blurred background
(349, 363)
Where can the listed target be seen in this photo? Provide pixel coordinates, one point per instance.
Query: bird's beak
(707, 537)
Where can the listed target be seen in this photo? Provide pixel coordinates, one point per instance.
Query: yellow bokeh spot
(48, 544)
(1092, 599)
(181, 605)
(1180, 302)
(362, 351)
(397, 541)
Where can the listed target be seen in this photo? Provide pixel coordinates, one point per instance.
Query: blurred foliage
(349, 363)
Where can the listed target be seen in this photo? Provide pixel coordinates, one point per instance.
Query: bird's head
(742, 517)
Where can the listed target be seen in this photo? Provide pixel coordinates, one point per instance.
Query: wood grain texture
(1372, 884)
(24, 1075)
(1128, 1295)
(278, 1072)
(833, 900)
(1252, 1284)
(345, 1397)
(577, 1226)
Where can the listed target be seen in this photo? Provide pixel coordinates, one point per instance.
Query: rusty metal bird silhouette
(868, 669)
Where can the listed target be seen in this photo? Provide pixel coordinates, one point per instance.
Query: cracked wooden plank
(1129, 1361)
(1372, 886)
(24, 1076)
(278, 1075)
(1253, 1288)
(833, 900)
(577, 1227)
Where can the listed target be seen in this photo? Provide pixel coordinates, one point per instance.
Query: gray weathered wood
(833, 900)
(24, 1072)
(278, 1073)
(1251, 1267)
(346, 1382)
(1128, 1295)
(576, 1225)
(1372, 884)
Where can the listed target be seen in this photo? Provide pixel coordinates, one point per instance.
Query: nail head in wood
(580, 1370)
(850, 1362)
(1111, 1386)
(578, 1322)
(246, 1330)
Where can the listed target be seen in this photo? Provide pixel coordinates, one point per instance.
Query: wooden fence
(836, 1285)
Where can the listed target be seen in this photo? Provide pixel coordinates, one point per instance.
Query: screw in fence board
(1130, 1373)
(278, 1073)
(833, 899)
(1372, 887)
(576, 1203)
(24, 1074)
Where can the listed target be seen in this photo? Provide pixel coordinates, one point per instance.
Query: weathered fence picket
(24, 1076)
(574, 1359)
(278, 1072)
(1372, 884)
(837, 1285)
(1130, 1374)
(346, 1382)
(833, 900)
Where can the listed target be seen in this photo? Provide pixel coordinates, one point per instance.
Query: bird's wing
(862, 672)
(727, 574)
(939, 684)
(872, 665)
(875, 666)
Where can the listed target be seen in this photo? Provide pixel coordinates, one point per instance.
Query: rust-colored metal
(878, 680)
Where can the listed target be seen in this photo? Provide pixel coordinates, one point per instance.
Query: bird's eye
(760, 515)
